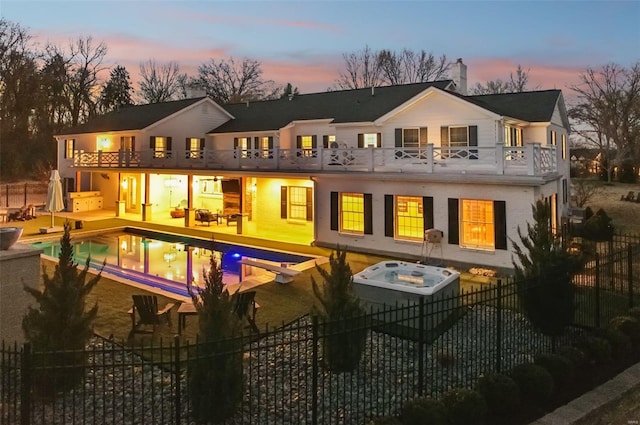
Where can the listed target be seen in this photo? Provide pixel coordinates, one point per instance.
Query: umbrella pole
(51, 218)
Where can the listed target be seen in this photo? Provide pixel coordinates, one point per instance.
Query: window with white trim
(307, 145)
(160, 147)
(194, 148)
(477, 224)
(370, 139)
(297, 202)
(352, 213)
(263, 146)
(409, 218)
(69, 147)
(512, 136)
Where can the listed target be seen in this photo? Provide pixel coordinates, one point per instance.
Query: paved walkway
(616, 402)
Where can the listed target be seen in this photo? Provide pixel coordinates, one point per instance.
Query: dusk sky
(302, 42)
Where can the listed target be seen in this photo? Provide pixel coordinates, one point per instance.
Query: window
(352, 213)
(211, 186)
(307, 145)
(459, 137)
(512, 136)
(477, 224)
(194, 147)
(128, 143)
(564, 146)
(264, 146)
(161, 147)
(243, 143)
(370, 139)
(409, 218)
(552, 138)
(297, 203)
(69, 148)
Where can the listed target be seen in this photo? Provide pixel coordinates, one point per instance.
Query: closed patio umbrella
(54, 202)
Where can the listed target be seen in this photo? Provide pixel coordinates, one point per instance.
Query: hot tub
(390, 283)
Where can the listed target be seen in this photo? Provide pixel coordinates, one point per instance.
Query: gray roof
(131, 117)
(532, 106)
(343, 106)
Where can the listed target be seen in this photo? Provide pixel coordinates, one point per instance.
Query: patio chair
(629, 197)
(147, 308)
(246, 308)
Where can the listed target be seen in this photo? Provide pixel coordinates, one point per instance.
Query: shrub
(620, 343)
(214, 372)
(576, 356)
(534, 382)
(634, 312)
(598, 227)
(464, 406)
(343, 331)
(500, 392)
(385, 420)
(598, 350)
(60, 324)
(559, 367)
(629, 325)
(424, 410)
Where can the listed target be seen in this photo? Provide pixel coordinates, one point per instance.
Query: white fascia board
(110, 132)
(518, 121)
(315, 121)
(357, 124)
(185, 109)
(429, 92)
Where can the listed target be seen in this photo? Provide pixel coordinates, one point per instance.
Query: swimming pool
(164, 260)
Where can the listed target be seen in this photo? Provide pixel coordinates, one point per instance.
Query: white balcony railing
(529, 160)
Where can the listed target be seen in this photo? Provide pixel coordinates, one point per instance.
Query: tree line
(46, 89)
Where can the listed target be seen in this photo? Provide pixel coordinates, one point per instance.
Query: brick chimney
(459, 76)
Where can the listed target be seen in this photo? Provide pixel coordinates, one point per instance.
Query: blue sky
(302, 42)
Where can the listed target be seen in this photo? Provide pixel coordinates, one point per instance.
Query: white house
(371, 169)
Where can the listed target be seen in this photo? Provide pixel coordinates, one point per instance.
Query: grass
(624, 214)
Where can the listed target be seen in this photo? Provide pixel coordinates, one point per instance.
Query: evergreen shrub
(424, 410)
(598, 350)
(534, 382)
(621, 347)
(465, 407)
(561, 368)
(385, 420)
(630, 326)
(500, 392)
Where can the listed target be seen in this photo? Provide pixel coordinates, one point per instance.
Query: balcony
(529, 160)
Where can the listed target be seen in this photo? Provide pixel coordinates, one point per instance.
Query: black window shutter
(235, 142)
(368, 214)
(423, 137)
(270, 142)
(389, 216)
(427, 212)
(256, 142)
(201, 143)
(325, 141)
(398, 137)
(314, 141)
(378, 140)
(500, 224)
(122, 142)
(169, 140)
(360, 140)
(152, 142)
(299, 142)
(187, 144)
(334, 210)
(309, 204)
(473, 135)
(283, 201)
(133, 143)
(454, 219)
(444, 136)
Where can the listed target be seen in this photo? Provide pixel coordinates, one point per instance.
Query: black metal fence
(16, 195)
(412, 350)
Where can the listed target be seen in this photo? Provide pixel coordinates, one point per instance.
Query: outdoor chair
(246, 308)
(148, 312)
(629, 197)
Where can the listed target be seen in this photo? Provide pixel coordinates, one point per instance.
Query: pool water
(164, 260)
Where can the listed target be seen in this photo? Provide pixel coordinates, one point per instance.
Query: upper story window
(306, 145)
(264, 145)
(459, 137)
(329, 141)
(564, 146)
(244, 143)
(69, 148)
(512, 136)
(104, 143)
(413, 140)
(128, 143)
(161, 146)
(553, 138)
(366, 140)
(194, 147)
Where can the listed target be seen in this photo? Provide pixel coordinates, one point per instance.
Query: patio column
(120, 204)
(189, 212)
(146, 206)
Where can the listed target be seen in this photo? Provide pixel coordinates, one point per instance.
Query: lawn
(624, 214)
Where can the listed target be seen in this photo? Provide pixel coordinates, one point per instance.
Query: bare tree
(229, 81)
(411, 67)
(83, 85)
(161, 83)
(515, 84)
(362, 69)
(607, 113)
(583, 191)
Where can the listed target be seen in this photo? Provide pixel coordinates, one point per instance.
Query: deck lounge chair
(246, 308)
(148, 312)
(629, 197)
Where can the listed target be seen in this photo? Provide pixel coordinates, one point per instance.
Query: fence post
(499, 327)
(630, 273)
(176, 367)
(421, 348)
(597, 290)
(25, 385)
(314, 371)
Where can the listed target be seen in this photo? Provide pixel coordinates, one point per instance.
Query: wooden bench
(283, 274)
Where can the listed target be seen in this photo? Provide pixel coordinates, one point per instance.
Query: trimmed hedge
(500, 392)
(534, 382)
